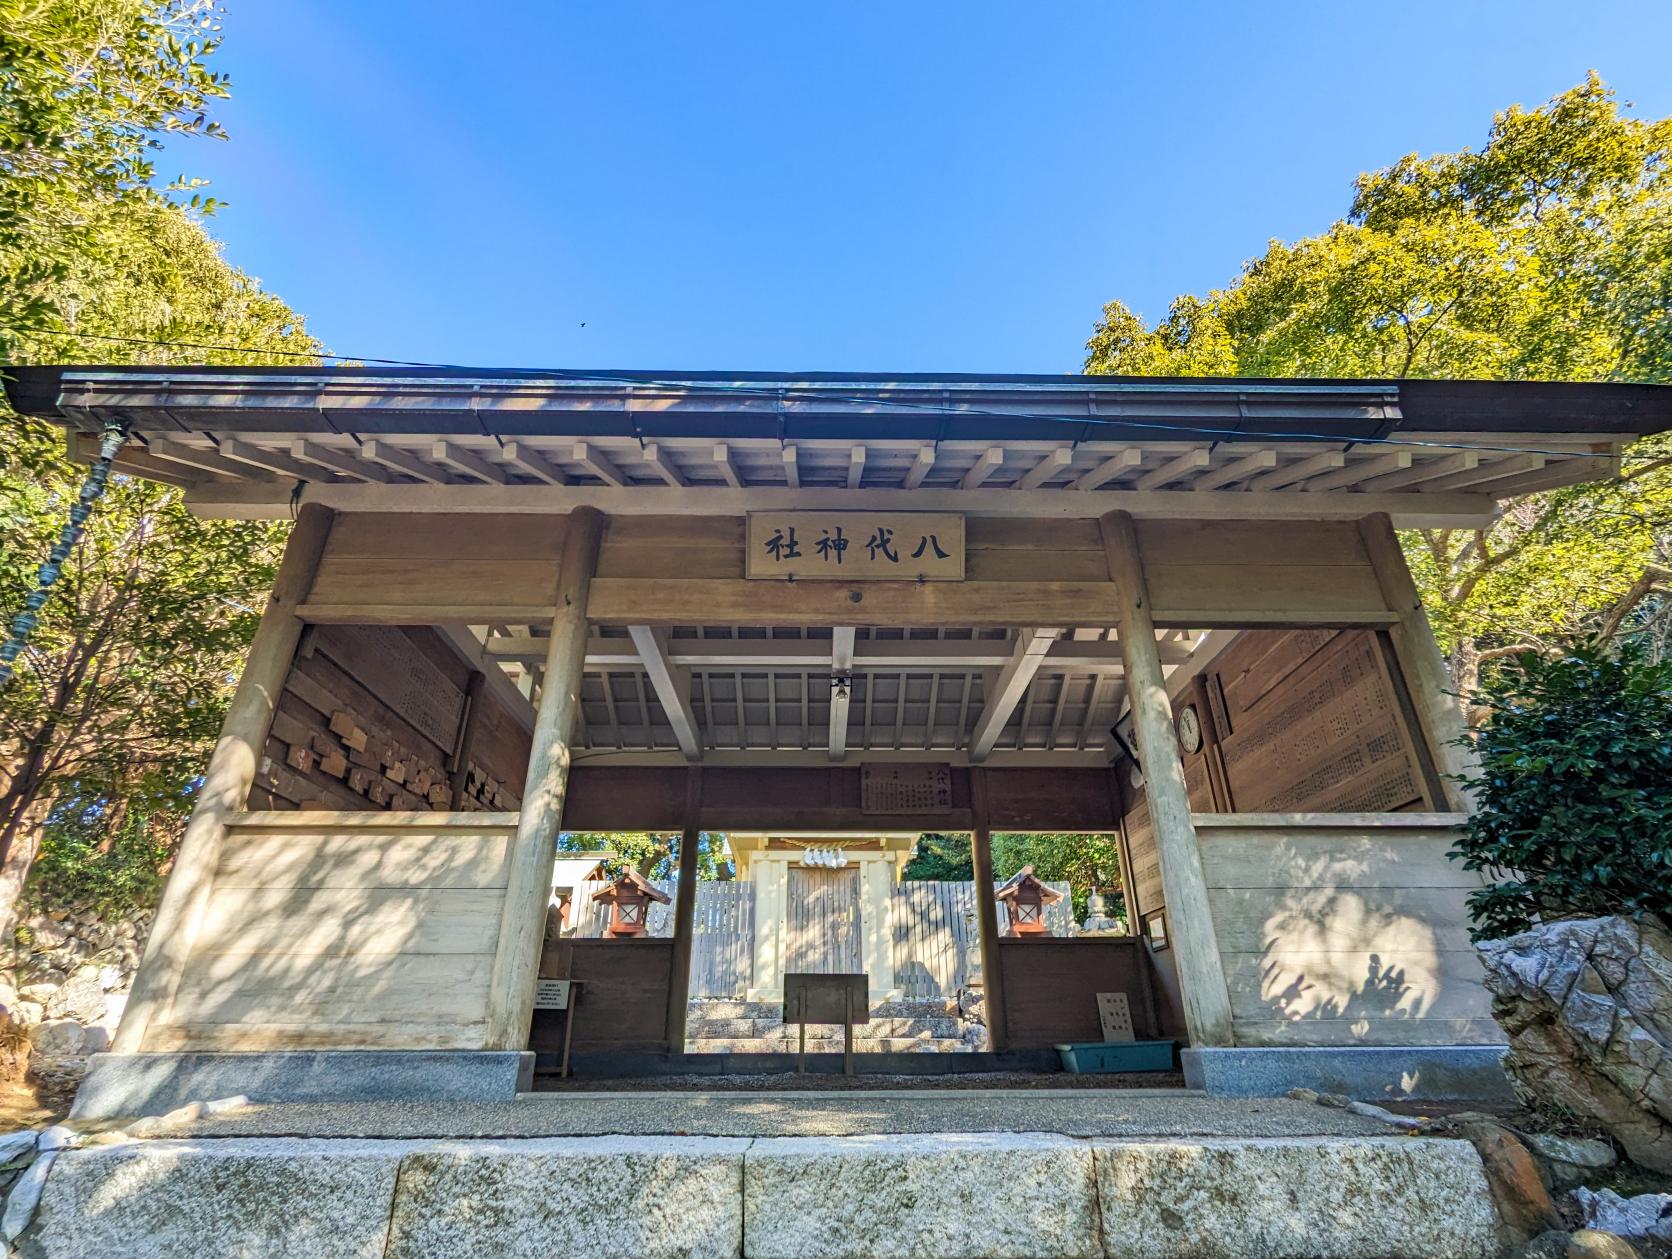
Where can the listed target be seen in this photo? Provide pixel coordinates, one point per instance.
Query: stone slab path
(1077, 1113)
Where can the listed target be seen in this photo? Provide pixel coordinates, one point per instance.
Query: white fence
(933, 930)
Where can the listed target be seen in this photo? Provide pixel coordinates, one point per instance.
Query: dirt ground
(24, 1106)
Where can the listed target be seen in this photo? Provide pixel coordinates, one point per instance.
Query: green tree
(945, 857)
(1544, 254)
(1575, 818)
(655, 856)
(90, 90)
(110, 714)
(1082, 861)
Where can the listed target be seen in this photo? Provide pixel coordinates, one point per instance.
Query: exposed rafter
(988, 460)
(1299, 470)
(1236, 470)
(203, 458)
(856, 467)
(1363, 470)
(792, 467)
(727, 469)
(381, 452)
(461, 459)
(921, 464)
(268, 460)
(658, 458)
(337, 461)
(672, 686)
(1175, 468)
(1013, 680)
(1048, 467)
(531, 461)
(1109, 469)
(598, 463)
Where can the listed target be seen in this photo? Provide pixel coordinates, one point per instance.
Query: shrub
(1574, 797)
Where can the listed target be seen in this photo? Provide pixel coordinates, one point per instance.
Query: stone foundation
(1418, 1073)
(929, 1197)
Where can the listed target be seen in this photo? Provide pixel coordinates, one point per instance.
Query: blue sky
(865, 186)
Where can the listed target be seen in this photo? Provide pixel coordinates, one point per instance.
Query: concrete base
(129, 1085)
(1426, 1073)
(880, 1197)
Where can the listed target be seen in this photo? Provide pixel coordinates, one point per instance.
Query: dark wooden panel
(623, 1005)
(1051, 986)
(1049, 799)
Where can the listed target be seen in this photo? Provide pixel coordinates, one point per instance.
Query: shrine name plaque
(890, 789)
(855, 546)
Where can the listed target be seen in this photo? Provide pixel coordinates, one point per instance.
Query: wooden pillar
(987, 916)
(1213, 755)
(684, 913)
(227, 780)
(516, 962)
(1439, 715)
(1207, 1001)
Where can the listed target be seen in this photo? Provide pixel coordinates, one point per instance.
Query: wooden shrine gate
(823, 931)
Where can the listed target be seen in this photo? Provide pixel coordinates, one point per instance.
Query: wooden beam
(792, 467)
(728, 470)
(523, 456)
(672, 685)
(987, 916)
(684, 914)
(1028, 654)
(270, 500)
(1046, 468)
(225, 789)
(1439, 715)
(1299, 471)
(841, 666)
(205, 459)
(989, 459)
(1363, 470)
(1175, 468)
(469, 462)
(598, 463)
(856, 467)
(516, 962)
(381, 452)
(921, 464)
(918, 654)
(658, 458)
(335, 460)
(1206, 998)
(268, 460)
(1236, 470)
(1417, 473)
(1109, 469)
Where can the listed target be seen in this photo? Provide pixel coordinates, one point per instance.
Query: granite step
(737, 1029)
(774, 1045)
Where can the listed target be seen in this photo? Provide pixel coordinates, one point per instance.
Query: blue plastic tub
(1130, 1055)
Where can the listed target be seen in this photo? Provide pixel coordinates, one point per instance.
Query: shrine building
(828, 612)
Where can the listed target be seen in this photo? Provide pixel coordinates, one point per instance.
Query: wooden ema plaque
(892, 789)
(1114, 1011)
(854, 546)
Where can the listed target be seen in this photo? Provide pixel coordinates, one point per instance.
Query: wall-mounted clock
(1190, 729)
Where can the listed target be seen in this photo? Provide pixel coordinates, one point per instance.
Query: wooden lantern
(629, 899)
(1026, 897)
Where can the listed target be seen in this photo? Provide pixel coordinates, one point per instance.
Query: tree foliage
(1544, 254)
(655, 856)
(1575, 818)
(110, 715)
(1083, 861)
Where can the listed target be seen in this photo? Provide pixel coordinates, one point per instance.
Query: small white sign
(551, 994)
(1115, 1012)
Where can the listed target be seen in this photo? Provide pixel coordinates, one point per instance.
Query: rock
(81, 999)
(110, 977)
(1325, 1197)
(927, 1197)
(56, 1037)
(570, 1196)
(1590, 1243)
(1586, 1005)
(25, 1196)
(1648, 1216)
(220, 1105)
(1303, 1095)
(1524, 1206)
(27, 1013)
(59, 1074)
(16, 1144)
(38, 993)
(1339, 1101)
(1551, 1245)
(95, 1039)
(277, 1196)
(58, 1137)
(46, 933)
(1406, 1122)
(1569, 1160)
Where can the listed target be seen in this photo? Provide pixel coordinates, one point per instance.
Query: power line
(575, 376)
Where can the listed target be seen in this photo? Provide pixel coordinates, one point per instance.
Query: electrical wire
(576, 376)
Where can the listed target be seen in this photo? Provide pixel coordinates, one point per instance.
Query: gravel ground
(1080, 1113)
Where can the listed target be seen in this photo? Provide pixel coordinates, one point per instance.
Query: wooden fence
(934, 936)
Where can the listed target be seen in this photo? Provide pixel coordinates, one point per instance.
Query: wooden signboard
(855, 546)
(1114, 1011)
(890, 789)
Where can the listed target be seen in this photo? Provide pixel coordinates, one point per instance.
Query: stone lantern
(1026, 897)
(629, 899)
